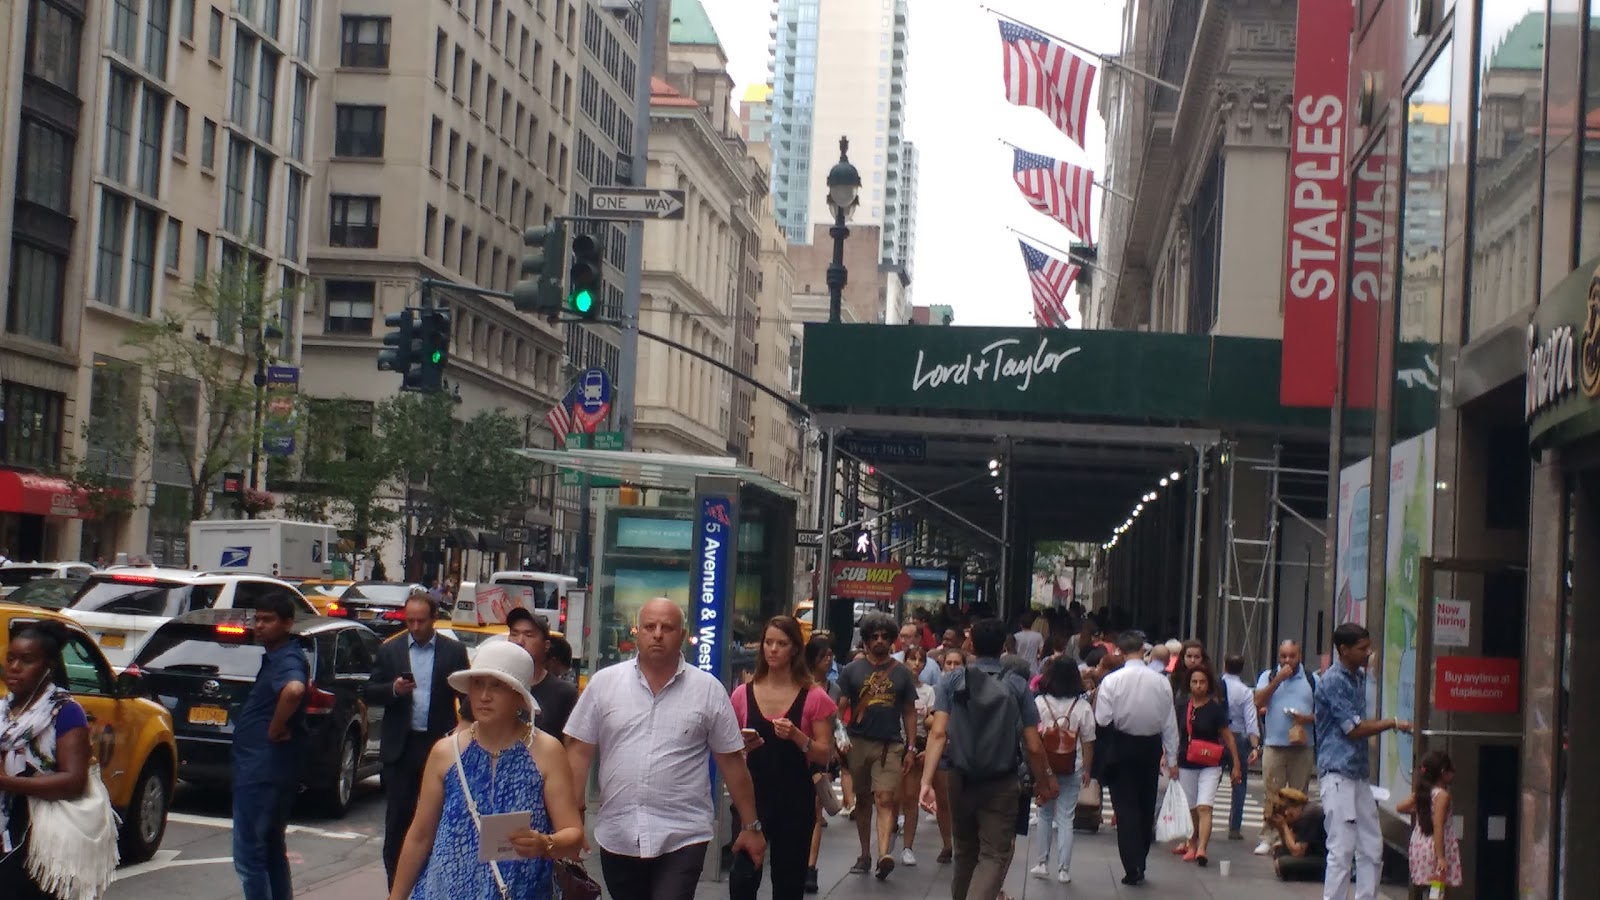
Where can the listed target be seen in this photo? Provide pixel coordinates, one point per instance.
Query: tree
(344, 469)
(471, 464)
(199, 358)
(115, 447)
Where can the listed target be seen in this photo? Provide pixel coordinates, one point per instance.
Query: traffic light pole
(628, 351)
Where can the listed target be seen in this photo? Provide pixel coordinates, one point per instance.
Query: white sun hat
(504, 661)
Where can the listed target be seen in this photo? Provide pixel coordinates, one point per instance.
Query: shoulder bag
(572, 881)
(72, 844)
(1201, 753)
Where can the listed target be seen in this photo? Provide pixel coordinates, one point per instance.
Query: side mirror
(131, 684)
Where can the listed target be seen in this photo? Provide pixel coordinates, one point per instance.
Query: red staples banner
(1313, 255)
(1476, 684)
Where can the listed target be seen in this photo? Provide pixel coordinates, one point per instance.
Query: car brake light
(232, 632)
(395, 615)
(563, 616)
(134, 579)
(334, 609)
(319, 701)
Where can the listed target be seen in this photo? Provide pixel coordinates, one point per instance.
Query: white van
(545, 594)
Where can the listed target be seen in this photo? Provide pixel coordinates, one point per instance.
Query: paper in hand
(495, 831)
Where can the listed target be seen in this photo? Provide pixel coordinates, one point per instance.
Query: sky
(957, 115)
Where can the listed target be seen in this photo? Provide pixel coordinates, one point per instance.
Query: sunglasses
(880, 636)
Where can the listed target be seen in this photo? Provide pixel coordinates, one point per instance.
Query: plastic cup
(1224, 867)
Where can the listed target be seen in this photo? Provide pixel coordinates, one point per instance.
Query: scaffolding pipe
(819, 610)
(1199, 475)
(1228, 561)
(1270, 576)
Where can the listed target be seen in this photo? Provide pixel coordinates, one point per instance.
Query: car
(14, 574)
(322, 592)
(46, 593)
(379, 605)
(201, 665)
(123, 607)
(130, 733)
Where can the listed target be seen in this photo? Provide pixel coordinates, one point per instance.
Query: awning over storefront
(42, 495)
(489, 542)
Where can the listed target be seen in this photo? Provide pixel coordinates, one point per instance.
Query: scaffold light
(1175, 475)
(1164, 482)
(994, 465)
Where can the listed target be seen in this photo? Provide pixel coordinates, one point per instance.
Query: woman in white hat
(497, 765)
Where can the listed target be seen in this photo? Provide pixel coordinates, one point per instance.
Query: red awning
(42, 495)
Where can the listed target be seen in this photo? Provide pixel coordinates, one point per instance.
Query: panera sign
(1563, 382)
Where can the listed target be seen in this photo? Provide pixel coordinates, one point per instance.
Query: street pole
(255, 416)
(820, 605)
(837, 276)
(628, 351)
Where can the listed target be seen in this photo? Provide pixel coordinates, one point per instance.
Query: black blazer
(394, 657)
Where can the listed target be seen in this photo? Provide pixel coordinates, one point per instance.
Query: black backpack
(985, 727)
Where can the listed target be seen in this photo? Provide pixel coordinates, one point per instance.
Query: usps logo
(235, 557)
(316, 551)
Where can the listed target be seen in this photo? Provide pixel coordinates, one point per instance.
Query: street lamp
(268, 331)
(844, 195)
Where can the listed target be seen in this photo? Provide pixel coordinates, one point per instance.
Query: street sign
(516, 533)
(808, 537)
(636, 203)
(600, 440)
(594, 399)
(873, 449)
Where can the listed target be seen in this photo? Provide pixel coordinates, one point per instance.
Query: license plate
(113, 641)
(366, 614)
(208, 715)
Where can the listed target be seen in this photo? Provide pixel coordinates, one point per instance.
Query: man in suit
(419, 707)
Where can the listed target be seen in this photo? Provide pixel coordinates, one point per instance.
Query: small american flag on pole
(1047, 76)
(559, 418)
(1057, 189)
(1050, 279)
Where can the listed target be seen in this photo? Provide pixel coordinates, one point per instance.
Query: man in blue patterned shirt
(1344, 765)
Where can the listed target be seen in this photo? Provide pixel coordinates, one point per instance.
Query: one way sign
(636, 203)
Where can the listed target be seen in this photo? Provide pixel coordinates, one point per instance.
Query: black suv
(201, 665)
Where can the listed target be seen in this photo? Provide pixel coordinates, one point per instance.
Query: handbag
(1201, 753)
(72, 844)
(572, 881)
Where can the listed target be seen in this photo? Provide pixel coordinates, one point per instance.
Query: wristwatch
(754, 826)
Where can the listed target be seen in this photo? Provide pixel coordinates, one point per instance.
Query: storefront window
(1505, 195)
(1589, 173)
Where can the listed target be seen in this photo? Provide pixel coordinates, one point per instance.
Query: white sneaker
(1263, 848)
(1063, 877)
(1039, 871)
(907, 858)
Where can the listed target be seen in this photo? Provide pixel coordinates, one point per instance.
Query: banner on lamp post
(280, 419)
(1316, 215)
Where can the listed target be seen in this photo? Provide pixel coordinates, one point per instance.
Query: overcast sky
(956, 115)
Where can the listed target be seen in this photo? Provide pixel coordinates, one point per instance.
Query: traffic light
(583, 291)
(400, 343)
(539, 291)
(433, 349)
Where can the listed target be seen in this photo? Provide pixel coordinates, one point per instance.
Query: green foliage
(1049, 556)
(344, 468)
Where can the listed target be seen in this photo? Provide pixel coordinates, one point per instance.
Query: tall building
(446, 131)
(44, 85)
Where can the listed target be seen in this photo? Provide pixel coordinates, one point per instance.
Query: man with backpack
(879, 696)
(1285, 697)
(987, 718)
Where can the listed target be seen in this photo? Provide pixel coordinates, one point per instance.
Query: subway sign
(713, 534)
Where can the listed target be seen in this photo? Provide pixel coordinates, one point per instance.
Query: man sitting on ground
(1303, 855)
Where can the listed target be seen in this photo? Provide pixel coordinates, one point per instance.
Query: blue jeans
(1055, 819)
(260, 851)
(1236, 811)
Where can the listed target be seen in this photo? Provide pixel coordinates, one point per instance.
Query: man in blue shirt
(268, 742)
(1285, 696)
(1344, 765)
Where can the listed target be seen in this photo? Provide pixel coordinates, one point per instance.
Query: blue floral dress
(452, 871)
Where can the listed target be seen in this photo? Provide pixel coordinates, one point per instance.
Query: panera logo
(1589, 354)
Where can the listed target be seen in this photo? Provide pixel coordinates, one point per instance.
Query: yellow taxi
(805, 612)
(324, 592)
(130, 734)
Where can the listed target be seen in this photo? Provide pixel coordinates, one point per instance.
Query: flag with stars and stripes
(559, 418)
(1051, 280)
(1057, 189)
(1047, 76)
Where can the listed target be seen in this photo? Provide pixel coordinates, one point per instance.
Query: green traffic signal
(584, 275)
(582, 302)
(436, 358)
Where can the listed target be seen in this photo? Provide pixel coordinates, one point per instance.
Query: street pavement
(340, 860)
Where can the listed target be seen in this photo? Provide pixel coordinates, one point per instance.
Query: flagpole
(1104, 59)
(1099, 184)
(1071, 257)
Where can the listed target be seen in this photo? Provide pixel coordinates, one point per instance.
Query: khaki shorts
(875, 766)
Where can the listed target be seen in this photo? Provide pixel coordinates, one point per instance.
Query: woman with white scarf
(44, 749)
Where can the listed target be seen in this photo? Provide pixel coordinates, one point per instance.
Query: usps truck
(263, 547)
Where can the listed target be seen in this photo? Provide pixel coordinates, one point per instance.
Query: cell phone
(407, 676)
(749, 733)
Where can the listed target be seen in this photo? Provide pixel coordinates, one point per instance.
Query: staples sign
(1316, 205)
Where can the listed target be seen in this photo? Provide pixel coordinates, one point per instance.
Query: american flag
(1058, 189)
(559, 418)
(1050, 279)
(1048, 77)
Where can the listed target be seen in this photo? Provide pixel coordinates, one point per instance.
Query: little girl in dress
(1435, 847)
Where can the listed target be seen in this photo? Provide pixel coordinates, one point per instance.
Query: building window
(152, 121)
(260, 195)
(364, 42)
(214, 38)
(293, 204)
(208, 144)
(202, 254)
(266, 96)
(158, 27)
(306, 17)
(142, 261)
(297, 122)
(113, 228)
(354, 221)
(180, 130)
(186, 21)
(244, 60)
(358, 131)
(350, 306)
(53, 45)
(124, 27)
(46, 166)
(171, 247)
(33, 425)
(233, 195)
(38, 279)
(119, 124)
(434, 137)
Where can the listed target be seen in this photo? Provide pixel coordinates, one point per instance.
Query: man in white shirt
(1136, 727)
(1030, 643)
(657, 720)
(1246, 728)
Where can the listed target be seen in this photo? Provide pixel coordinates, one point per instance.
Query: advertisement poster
(279, 419)
(1410, 539)
(1350, 561)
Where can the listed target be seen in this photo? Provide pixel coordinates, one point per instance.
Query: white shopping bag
(1172, 819)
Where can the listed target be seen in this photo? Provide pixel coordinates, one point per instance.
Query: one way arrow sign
(635, 203)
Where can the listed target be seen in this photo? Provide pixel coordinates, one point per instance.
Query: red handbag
(1205, 754)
